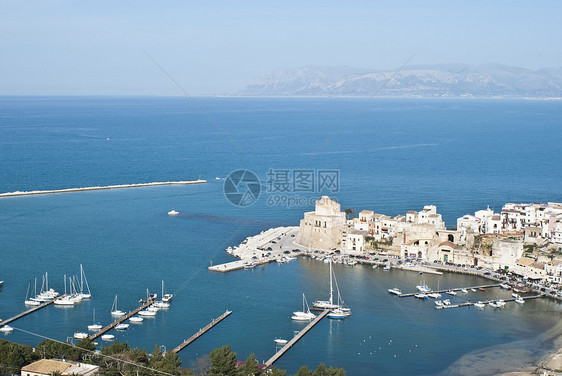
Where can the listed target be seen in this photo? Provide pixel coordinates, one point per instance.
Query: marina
(452, 290)
(202, 331)
(117, 322)
(485, 302)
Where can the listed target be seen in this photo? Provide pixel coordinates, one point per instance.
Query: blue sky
(215, 47)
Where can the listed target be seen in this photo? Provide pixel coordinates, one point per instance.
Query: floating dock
(453, 289)
(209, 326)
(25, 313)
(295, 339)
(119, 320)
(468, 304)
(120, 186)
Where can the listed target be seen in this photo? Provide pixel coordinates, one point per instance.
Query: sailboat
(303, 315)
(32, 301)
(84, 294)
(66, 300)
(47, 293)
(327, 304)
(341, 312)
(166, 298)
(114, 311)
(165, 302)
(96, 325)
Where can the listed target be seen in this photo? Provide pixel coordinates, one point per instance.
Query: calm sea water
(395, 155)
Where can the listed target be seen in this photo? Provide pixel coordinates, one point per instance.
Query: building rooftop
(47, 366)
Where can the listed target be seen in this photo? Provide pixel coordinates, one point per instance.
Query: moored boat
(122, 326)
(280, 341)
(395, 291)
(108, 337)
(136, 319)
(80, 335)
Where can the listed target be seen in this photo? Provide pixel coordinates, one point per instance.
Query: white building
(355, 242)
(47, 367)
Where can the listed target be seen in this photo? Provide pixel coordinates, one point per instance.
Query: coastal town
(521, 245)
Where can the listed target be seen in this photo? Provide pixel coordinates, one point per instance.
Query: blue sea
(391, 156)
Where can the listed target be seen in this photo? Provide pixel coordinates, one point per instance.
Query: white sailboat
(32, 301)
(114, 311)
(66, 300)
(303, 315)
(327, 304)
(166, 298)
(84, 294)
(95, 325)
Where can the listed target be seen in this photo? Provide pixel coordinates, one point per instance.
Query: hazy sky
(214, 47)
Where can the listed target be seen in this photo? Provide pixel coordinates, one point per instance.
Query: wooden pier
(468, 304)
(453, 289)
(187, 342)
(295, 339)
(120, 320)
(25, 313)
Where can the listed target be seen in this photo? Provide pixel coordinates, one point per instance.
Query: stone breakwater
(119, 186)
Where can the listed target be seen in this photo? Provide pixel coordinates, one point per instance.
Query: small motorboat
(6, 329)
(173, 213)
(280, 341)
(395, 291)
(482, 289)
(107, 337)
(505, 286)
(451, 292)
(80, 335)
(438, 303)
(479, 305)
(520, 300)
(464, 291)
(147, 313)
(423, 288)
(94, 327)
(420, 296)
(446, 302)
(337, 314)
(387, 268)
(122, 327)
(135, 319)
(434, 295)
(473, 290)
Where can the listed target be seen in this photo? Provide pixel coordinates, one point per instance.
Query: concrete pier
(25, 313)
(208, 327)
(120, 186)
(120, 320)
(453, 289)
(295, 339)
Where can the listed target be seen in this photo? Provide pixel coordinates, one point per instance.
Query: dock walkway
(119, 320)
(25, 313)
(453, 289)
(468, 304)
(295, 339)
(188, 341)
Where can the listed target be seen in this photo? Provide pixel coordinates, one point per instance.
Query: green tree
(321, 370)
(223, 361)
(250, 366)
(303, 371)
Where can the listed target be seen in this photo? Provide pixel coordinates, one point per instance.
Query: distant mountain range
(454, 80)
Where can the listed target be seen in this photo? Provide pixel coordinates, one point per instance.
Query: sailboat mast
(47, 281)
(81, 279)
(64, 283)
(331, 285)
